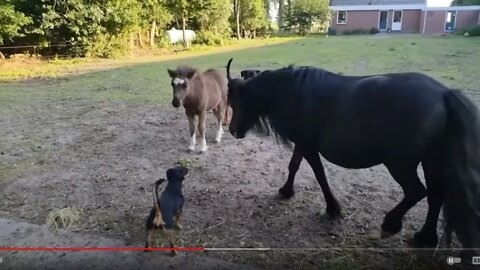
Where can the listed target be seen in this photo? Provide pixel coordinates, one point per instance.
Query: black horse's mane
(267, 123)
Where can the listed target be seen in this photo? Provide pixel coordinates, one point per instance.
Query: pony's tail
(462, 182)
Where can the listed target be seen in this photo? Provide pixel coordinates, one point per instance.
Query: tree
(236, 12)
(11, 21)
(465, 3)
(184, 9)
(253, 16)
(155, 15)
(303, 13)
(212, 17)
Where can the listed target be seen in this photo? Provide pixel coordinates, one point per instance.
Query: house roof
(375, 2)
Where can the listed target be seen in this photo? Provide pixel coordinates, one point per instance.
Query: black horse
(399, 120)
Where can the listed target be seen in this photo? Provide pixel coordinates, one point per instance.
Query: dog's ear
(177, 173)
(257, 71)
(172, 73)
(243, 73)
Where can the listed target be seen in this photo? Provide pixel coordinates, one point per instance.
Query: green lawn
(452, 60)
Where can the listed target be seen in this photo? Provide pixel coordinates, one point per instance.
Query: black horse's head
(242, 97)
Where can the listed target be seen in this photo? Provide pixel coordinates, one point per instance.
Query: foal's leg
(287, 190)
(219, 115)
(333, 207)
(406, 175)
(427, 236)
(201, 130)
(191, 125)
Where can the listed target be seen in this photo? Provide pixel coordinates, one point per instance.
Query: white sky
(438, 3)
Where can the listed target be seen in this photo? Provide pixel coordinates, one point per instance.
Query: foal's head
(180, 83)
(246, 113)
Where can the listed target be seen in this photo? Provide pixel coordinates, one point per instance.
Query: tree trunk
(281, 10)
(132, 41)
(236, 7)
(185, 44)
(152, 34)
(140, 38)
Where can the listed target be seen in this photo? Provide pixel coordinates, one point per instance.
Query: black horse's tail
(462, 183)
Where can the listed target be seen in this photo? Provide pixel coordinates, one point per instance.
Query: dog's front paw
(173, 253)
(178, 227)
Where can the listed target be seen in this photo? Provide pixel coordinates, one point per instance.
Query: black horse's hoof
(390, 227)
(286, 193)
(424, 240)
(334, 212)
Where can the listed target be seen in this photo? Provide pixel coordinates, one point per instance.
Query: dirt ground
(103, 158)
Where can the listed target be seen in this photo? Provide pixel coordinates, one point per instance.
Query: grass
(64, 218)
(144, 80)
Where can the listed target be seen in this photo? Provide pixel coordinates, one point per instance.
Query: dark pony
(398, 119)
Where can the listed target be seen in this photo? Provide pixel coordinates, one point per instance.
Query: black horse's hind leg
(333, 207)
(414, 191)
(427, 236)
(287, 190)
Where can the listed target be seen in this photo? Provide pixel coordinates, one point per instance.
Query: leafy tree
(11, 21)
(253, 16)
(184, 9)
(465, 3)
(301, 14)
(156, 16)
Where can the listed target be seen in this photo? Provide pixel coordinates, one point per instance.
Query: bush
(208, 38)
(106, 46)
(374, 31)
(473, 30)
(332, 31)
(358, 31)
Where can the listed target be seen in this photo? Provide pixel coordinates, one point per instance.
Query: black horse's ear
(172, 73)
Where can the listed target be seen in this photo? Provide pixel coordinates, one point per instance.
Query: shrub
(358, 31)
(472, 30)
(106, 46)
(374, 31)
(208, 38)
(332, 31)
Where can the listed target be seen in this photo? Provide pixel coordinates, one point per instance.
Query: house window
(341, 17)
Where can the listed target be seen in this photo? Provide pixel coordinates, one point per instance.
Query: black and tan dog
(167, 209)
(249, 73)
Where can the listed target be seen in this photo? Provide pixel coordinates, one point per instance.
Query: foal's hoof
(286, 193)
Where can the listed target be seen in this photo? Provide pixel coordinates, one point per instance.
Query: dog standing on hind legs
(167, 210)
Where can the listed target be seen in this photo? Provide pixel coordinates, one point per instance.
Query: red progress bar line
(98, 249)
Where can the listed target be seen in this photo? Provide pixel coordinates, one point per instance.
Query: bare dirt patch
(103, 157)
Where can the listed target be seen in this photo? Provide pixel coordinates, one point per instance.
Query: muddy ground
(103, 158)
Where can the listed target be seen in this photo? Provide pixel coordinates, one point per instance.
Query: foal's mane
(186, 71)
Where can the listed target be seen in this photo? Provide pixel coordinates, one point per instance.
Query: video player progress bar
(337, 249)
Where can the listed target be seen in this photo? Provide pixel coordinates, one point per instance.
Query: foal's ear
(172, 73)
(190, 73)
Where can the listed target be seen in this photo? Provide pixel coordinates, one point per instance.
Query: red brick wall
(435, 21)
(364, 19)
(411, 21)
(466, 17)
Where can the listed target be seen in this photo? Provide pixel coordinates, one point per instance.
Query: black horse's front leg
(333, 207)
(287, 190)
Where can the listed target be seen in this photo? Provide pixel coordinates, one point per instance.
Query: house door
(397, 20)
(382, 20)
(450, 20)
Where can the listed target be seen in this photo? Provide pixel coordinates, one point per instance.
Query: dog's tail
(155, 191)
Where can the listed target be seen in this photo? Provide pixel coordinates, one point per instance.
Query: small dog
(166, 210)
(249, 73)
